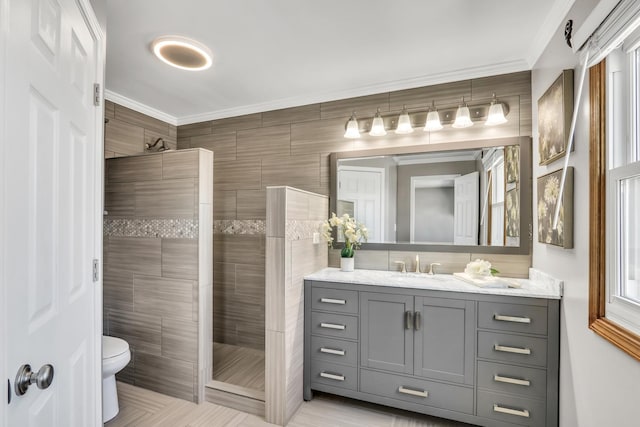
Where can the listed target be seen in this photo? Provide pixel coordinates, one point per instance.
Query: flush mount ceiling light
(182, 52)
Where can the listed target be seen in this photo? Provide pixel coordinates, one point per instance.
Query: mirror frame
(526, 225)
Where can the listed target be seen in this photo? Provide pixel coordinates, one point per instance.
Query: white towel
(487, 281)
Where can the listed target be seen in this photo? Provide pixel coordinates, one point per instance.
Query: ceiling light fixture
(352, 131)
(182, 52)
(433, 119)
(404, 122)
(377, 127)
(496, 113)
(463, 116)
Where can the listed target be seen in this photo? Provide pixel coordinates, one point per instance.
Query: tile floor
(239, 366)
(144, 408)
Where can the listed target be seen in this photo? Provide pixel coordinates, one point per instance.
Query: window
(615, 192)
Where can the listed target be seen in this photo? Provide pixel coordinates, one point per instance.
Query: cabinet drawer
(511, 409)
(334, 374)
(334, 325)
(334, 350)
(512, 348)
(512, 379)
(512, 317)
(446, 396)
(337, 300)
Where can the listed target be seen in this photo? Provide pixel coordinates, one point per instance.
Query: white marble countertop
(539, 284)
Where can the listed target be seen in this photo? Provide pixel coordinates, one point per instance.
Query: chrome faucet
(431, 272)
(417, 263)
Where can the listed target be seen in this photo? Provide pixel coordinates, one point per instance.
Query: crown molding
(425, 80)
(140, 107)
(547, 30)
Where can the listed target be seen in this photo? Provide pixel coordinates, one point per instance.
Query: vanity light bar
(404, 124)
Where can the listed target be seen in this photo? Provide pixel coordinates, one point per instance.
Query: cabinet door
(386, 339)
(444, 339)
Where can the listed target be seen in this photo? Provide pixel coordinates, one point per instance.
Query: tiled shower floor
(239, 366)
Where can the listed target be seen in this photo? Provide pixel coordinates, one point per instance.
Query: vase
(347, 264)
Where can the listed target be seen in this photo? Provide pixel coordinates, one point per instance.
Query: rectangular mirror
(471, 196)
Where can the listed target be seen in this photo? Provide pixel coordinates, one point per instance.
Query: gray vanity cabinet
(444, 339)
(426, 337)
(386, 338)
(488, 360)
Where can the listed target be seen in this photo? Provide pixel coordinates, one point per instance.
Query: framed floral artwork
(512, 213)
(548, 192)
(555, 108)
(512, 163)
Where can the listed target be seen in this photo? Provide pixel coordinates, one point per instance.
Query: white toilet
(115, 356)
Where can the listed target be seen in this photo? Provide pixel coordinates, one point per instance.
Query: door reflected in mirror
(467, 197)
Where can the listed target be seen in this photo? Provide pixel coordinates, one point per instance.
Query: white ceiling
(271, 54)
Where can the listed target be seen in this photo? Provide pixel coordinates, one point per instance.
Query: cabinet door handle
(509, 380)
(514, 319)
(332, 376)
(332, 326)
(419, 393)
(520, 413)
(332, 351)
(407, 319)
(333, 301)
(417, 321)
(506, 349)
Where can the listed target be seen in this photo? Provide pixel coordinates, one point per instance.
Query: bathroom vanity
(436, 345)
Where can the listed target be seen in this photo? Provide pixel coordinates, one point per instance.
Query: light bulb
(352, 130)
(404, 123)
(377, 127)
(433, 122)
(496, 114)
(463, 118)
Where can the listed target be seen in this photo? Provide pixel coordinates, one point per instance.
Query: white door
(364, 187)
(465, 211)
(50, 209)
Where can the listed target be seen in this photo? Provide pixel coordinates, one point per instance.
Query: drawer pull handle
(332, 326)
(419, 393)
(514, 319)
(333, 301)
(332, 376)
(506, 349)
(509, 380)
(407, 319)
(332, 351)
(520, 413)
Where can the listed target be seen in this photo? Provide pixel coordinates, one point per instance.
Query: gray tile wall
(126, 131)
(291, 147)
(152, 280)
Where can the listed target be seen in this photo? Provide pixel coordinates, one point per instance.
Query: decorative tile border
(301, 230)
(165, 228)
(239, 226)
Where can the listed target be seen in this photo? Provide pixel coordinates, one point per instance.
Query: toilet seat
(113, 347)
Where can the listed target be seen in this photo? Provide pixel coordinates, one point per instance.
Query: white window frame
(623, 161)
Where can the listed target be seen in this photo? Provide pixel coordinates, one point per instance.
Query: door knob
(25, 377)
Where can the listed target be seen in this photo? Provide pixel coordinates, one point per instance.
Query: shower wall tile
(251, 204)
(180, 258)
(180, 165)
(151, 137)
(163, 297)
(137, 255)
(134, 169)
(272, 141)
(291, 115)
(236, 175)
(158, 286)
(141, 331)
(225, 205)
(222, 144)
(180, 339)
(123, 138)
(165, 375)
(166, 199)
(130, 116)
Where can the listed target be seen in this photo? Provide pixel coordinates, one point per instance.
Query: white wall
(599, 383)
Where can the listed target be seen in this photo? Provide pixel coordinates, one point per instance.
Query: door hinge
(96, 94)
(96, 270)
